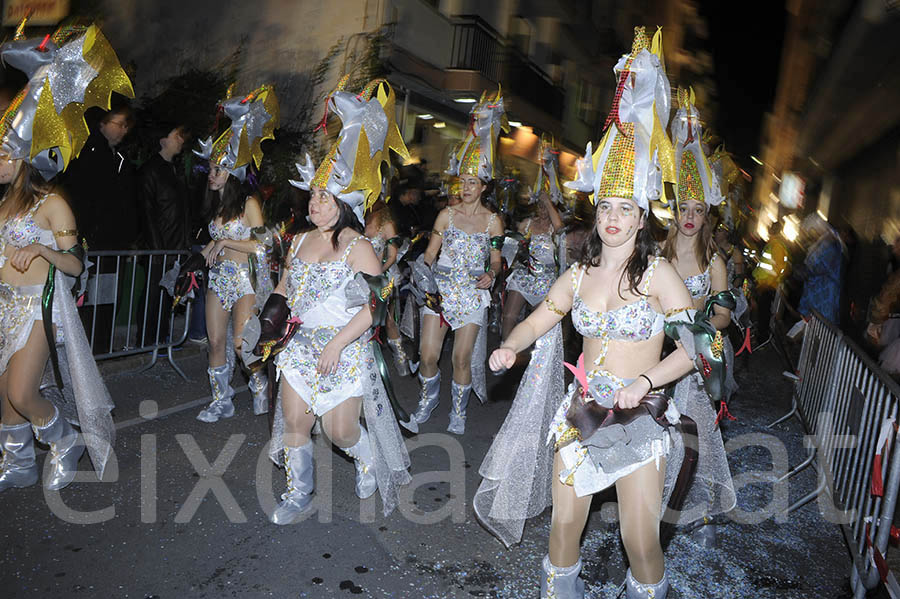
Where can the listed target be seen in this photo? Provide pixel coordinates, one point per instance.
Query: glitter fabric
(689, 185)
(230, 282)
(19, 308)
(22, 230)
(235, 230)
(518, 467)
(534, 280)
(618, 172)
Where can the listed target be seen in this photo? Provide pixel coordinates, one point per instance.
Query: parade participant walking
(238, 278)
(530, 282)
(464, 263)
(620, 295)
(690, 249)
(327, 368)
(40, 255)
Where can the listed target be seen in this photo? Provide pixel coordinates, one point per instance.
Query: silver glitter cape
(517, 468)
(84, 399)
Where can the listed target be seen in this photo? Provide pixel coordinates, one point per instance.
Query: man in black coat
(165, 221)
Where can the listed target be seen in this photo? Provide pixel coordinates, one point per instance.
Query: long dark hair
(26, 187)
(644, 248)
(229, 204)
(346, 219)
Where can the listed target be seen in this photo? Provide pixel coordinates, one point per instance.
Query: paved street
(164, 534)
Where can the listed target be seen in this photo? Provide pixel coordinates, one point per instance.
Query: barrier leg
(809, 497)
(800, 467)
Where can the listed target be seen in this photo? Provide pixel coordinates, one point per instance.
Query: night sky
(745, 40)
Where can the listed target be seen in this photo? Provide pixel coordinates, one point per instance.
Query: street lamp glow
(756, 160)
(515, 123)
(439, 125)
(464, 100)
(426, 117)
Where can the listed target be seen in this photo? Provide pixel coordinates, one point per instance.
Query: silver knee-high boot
(298, 468)
(221, 406)
(561, 583)
(65, 450)
(366, 484)
(18, 468)
(430, 398)
(401, 361)
(259, 389)
(460, 400)
(639, 590)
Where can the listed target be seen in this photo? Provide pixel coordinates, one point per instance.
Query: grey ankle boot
(18, 468)
(259, 389)
(460, 400)
(561, 583)
(65, 450)
(298, 468)
(401, 361)
(221, 406)
(366, 484)
(430, 397)
(639, 590)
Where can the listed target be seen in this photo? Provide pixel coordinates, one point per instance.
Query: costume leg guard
(561, 583)
(430, 398)
(18, 468)
(65, 450)
(460, 396)
(401, 361)
(639, 590)
(366, 484)
(221, 405)
(298, 468)
(259, 389)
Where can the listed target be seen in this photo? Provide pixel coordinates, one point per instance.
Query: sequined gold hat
(635, 155)
(477, 154)
(548, 178)
(254, 118)
(696, 179)
(68, 72)
(351, 171)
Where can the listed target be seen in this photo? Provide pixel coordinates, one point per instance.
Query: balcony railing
(478, 47)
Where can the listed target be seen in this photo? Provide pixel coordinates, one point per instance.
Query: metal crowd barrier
(849, 407)
(125, 312)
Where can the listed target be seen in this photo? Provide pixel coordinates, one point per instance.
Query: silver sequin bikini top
(22, 230)
(465, 251)
(637, 321)
(234, 230)
(699, 285)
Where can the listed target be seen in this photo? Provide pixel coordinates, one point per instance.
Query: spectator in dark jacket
(165, 221)
(101, 185)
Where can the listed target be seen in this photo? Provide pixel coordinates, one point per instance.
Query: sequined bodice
(542, 250)
(637, 321)
(234, 230)
(315, 290)
(699, 285)
(22, 230)
(465, 251)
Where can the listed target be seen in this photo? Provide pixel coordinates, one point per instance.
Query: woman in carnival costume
(622, 298)
(42, 130)
(690, 248)
(239, 279)
(318, 320)
(459, 267)
(389, 247)
(531, 281)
